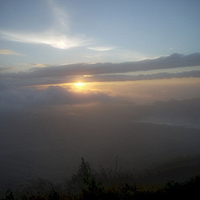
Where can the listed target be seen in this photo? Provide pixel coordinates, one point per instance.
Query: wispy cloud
(33, 64)
(39, 65)
(54, 36)
(101, 48)
(9, 52)
(60, 17)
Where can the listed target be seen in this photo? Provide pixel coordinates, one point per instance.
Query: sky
(105, 43)
(65, 64)
(53, 32)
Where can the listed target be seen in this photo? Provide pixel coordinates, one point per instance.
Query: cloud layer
(9, 52)
(12, 98)
(112, 78)
(108, 71)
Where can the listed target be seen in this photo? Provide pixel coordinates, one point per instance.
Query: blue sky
(59, 32)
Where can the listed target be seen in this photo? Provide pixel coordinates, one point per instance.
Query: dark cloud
(104, 72)
(14, 98)
(100, 78)
(111, 78)
(172, 61)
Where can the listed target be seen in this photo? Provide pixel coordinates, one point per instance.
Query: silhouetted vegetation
(88, 184)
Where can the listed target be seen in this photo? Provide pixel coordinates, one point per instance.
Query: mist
(48, 142)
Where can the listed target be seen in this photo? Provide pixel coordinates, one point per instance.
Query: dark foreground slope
(87, 184)
(51, 152)
(49, 142)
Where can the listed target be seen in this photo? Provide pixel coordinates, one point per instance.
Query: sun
(79, 85)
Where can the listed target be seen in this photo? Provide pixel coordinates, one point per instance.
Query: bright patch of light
(79, 84)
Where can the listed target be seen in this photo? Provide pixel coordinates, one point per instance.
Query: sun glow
(79, 85)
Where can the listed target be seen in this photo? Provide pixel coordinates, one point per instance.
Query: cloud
(14, 98)
(5, 68)
(112, 78)
(103, 72)
(170, 62)
(38, 65)
(33, 64)
(9, 52)
(54, 36)
(101, 48)
(59, 15)
(100, 78)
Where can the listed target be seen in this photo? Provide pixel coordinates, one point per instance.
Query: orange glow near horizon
(141, 92)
